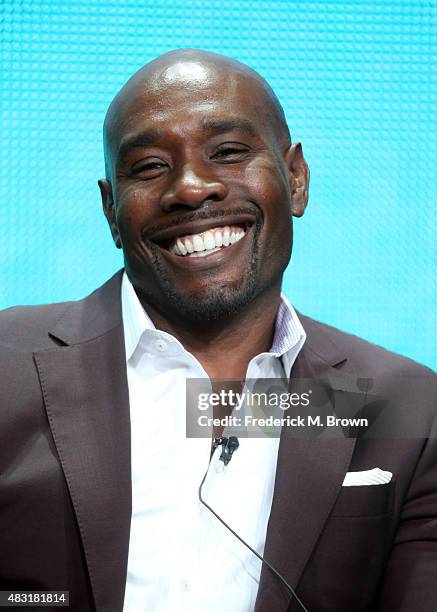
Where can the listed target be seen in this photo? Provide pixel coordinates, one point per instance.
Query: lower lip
(215, 259)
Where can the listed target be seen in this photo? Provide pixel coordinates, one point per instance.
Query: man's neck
(224, 348)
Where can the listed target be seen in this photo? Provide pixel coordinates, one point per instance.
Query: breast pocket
(365, 500)
(351, 551)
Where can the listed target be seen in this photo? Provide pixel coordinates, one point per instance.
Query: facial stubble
(220, 301)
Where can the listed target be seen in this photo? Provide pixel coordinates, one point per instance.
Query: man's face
(201, 193)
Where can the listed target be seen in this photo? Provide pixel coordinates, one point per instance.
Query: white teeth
(203, 253)
(208, 240)
(218, 238)
(198, 243)
(189, 245)
(181, 246)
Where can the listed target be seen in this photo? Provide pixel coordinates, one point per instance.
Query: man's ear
(299, 179)
(109, 209)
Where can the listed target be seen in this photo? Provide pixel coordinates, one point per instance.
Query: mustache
(196, 215)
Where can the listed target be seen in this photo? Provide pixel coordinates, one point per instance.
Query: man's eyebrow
(143, 139)
(227, 125)
(215, 125)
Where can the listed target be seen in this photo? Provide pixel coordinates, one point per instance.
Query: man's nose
(191, 188)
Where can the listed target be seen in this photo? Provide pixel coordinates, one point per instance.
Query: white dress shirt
(180, 556)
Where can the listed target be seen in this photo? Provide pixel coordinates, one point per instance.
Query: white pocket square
(368, 477)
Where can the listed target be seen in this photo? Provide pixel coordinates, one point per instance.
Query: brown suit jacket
(65, 482)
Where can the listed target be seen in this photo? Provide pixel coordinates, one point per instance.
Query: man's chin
(217, 304)
(214, 299)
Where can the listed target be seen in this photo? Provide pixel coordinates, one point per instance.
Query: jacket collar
(94, 316)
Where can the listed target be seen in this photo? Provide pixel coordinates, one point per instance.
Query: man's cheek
(257, 176)
(132, 211)
(134, 195)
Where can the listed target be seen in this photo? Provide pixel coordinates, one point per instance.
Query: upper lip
(165, 236)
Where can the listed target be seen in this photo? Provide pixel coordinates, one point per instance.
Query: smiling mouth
(201, 244)
(205, 243)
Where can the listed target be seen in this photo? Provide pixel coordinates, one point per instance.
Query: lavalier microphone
(230, 445)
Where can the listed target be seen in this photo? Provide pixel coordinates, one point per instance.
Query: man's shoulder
(28, 325)
(365, 357)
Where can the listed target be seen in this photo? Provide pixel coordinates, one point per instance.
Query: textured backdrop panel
(358, 82)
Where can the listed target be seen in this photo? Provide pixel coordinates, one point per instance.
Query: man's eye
(230, 153)
(149, 169)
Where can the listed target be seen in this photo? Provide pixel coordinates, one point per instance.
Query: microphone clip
(229, 445)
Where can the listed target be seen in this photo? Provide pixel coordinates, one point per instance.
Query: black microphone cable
(234, 445)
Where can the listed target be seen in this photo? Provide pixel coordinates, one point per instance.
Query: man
(98, 481)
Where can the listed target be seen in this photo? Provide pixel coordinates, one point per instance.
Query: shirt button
(186, 586)
(161, 345)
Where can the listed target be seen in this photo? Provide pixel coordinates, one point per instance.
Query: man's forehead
(186, 84)
(190, 91)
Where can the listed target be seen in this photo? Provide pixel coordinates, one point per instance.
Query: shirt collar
(135, 319)
(289, 335)
(288, 338)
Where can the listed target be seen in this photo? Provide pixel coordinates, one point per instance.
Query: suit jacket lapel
(86, 396)
(309, 475)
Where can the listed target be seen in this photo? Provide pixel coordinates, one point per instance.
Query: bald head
(189, 72)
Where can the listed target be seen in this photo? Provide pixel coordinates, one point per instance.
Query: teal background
(358, 83)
